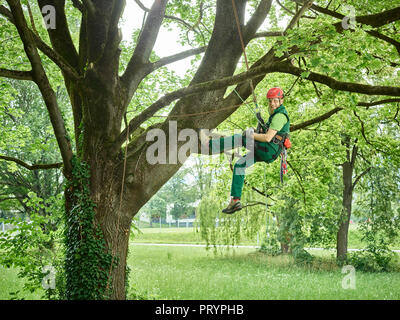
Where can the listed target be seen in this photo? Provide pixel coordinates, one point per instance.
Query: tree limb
(176, 57)
(60, 37)
(6, 13)
(315, 120)
(285, 67)
(336, 110)
(265, 34)
(354, 153)
(306, 5)
(376, 103)
(48, 51)
(56, 58)
(144, 45)
(360, 176)
(34, 166)
(256, 20)
(15, 74)
(40, 78)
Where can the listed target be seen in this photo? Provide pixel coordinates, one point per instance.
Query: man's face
(274, 103)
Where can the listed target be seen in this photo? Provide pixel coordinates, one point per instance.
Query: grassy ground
(9, 282)
(190, 236)
(193, 273)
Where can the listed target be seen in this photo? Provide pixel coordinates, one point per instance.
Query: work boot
(232, 207)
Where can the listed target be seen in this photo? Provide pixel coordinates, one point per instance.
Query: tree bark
(348, 187)
(342, 234)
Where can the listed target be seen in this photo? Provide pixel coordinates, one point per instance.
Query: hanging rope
(253, 94)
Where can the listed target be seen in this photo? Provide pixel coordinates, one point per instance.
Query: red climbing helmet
(275, 93)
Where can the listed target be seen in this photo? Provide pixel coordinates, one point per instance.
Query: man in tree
(264, 144)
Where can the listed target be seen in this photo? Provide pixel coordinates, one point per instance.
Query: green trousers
(261, 152)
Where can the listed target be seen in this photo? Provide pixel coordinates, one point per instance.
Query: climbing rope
(253, 94)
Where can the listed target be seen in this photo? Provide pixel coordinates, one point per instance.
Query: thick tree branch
(60, 37)
(15, 74)
(56, 58)
(383, 37)
(336, 110)
(256, 20)
(149, 33)
(176, 57)
(315, 120)
(34, 166)
(144, 47)
(6, 13)
(264, 34)
(40, 78)
(340, 85)
(47, 50)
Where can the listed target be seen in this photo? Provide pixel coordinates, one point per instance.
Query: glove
(249, 132)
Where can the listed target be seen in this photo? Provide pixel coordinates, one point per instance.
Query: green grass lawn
(190, 236)
(194, 273)
(9, 282)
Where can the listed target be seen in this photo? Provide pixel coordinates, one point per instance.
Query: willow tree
(112, 176)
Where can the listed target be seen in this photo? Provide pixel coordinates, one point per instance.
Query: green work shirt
(278, 121)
